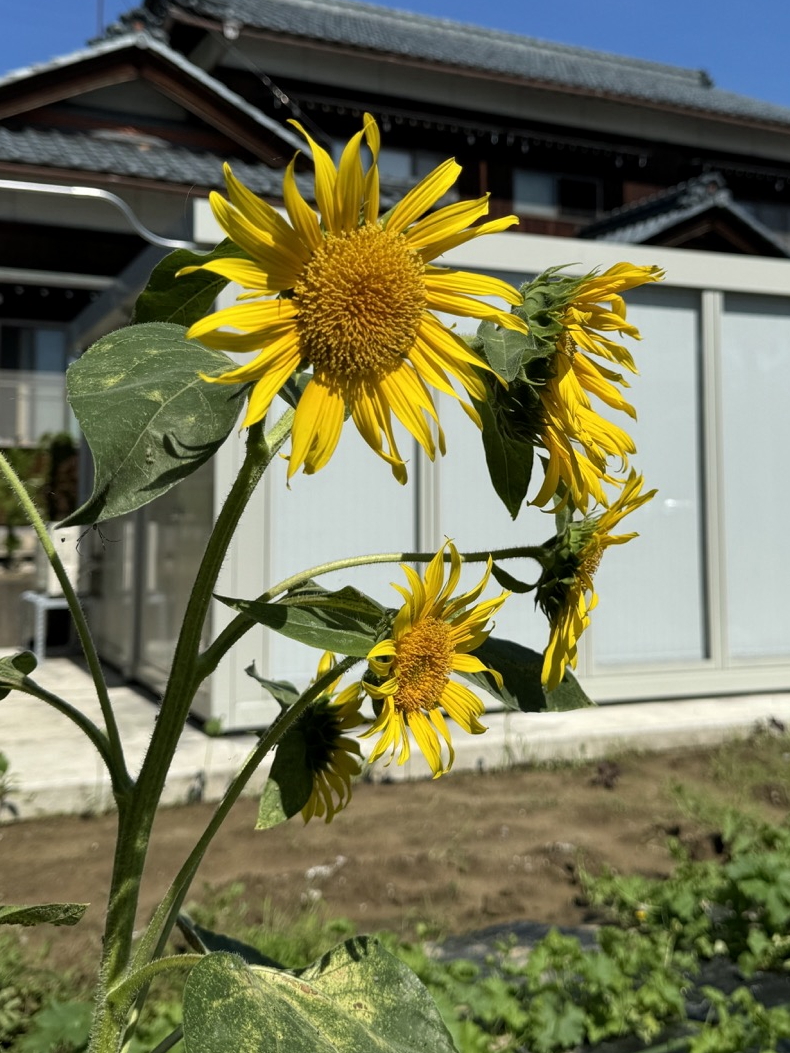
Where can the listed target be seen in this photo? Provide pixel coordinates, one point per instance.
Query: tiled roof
(453, 44)
(643, 220)
(147, 158)
(147, 42)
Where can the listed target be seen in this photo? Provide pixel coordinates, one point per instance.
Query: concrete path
(54, 769)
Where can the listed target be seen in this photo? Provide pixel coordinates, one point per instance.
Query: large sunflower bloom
(579, 441)
(409, 673)
(352, 296)
(566, 593)
(331, 757)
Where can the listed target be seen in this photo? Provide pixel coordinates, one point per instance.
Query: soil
(453, 855)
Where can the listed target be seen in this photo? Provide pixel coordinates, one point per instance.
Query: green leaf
(503, 348)
(14, 670)
(507, 581)
(290, 781)
(149, 419)
(509, 459)
(348, 599)
(520, 668)
(183, 300)
(357, 999)
(204, 941)
(58, 1026)
(283, 691)
(42, 914)
(346, 622)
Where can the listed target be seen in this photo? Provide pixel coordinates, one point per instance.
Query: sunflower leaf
(507, 581)
(348, 599)
(183, 300)
(520, 668)
(503, 348)
(42, 914)
(149, 419)
(14, 670)
(356, 997)
(318, 624)
(283, 691)
(204, 941)
(509, 459)
(290, 781)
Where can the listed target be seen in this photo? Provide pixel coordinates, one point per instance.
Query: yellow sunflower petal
(316, 428)
(423, 196)
(304, 220)
(325, 180)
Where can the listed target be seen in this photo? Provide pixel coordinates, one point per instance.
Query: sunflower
(331, 757)
(352, 296)
(409, 673)
(566, 592)
(579, 442)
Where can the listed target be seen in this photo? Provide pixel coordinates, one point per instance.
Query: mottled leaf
(183, 300)
(148, 417)
(42, 914)
(520, 668)
(13, 671)
(357, 999)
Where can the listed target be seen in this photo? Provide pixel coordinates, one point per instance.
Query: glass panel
(351, 507)
(534, 191)
(652, 589)
(755, 369)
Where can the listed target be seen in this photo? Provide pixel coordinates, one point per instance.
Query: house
(601, 156)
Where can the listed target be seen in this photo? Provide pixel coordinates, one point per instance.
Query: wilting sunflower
(352, 296)
(566, 592)
(579, 442)
(409, 674)
(331, 757)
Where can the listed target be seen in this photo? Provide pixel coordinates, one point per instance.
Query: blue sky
(745, 47)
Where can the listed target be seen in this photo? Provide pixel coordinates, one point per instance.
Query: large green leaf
(347, 622)
(357, 999)
(520, 668)
(290, 781)
(508, 457)
(14, 670)
(42, 914)
(148, 417)
(182, 300)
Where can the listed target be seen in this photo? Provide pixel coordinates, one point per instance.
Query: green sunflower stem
(113, 754)
(236, 629)
(134, 825)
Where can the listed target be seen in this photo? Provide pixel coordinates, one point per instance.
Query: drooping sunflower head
(332, 758)
(581, 444)
(353, 297)
(566, 592)
(433, 636)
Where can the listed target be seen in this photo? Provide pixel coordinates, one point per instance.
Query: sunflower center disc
(423, 658)
(360, 300)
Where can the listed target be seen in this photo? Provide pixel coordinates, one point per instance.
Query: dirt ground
(456, 854)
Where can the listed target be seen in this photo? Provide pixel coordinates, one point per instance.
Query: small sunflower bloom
(332, 758)
(353, 296)
(433, 636)
(580, 442)
(566, 592)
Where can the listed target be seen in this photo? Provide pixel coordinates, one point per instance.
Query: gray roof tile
(465, 46)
